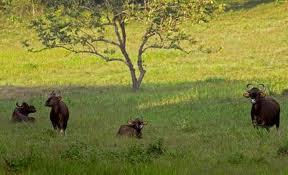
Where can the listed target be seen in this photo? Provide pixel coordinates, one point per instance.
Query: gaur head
(25, 108)
(137, 123)
(53, 99)
(255, 93)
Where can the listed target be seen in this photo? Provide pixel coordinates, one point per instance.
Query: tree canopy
(82, 26)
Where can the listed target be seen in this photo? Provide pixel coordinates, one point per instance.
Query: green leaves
(78, 23)
(86, 27)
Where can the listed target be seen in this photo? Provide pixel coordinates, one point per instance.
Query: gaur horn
(59, 93)
(262, 87)
(248, 86)
(18, 106)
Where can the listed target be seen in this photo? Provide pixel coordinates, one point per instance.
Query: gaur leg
(63, 125)
(54, 123)
(278, 121)
(253, 118)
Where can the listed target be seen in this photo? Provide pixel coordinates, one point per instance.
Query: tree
(85, 27)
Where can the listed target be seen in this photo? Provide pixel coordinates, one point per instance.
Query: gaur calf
(132, 129)
(59, 113)
(21, 112)
(265, 111)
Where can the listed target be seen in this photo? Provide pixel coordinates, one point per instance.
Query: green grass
(193, 103)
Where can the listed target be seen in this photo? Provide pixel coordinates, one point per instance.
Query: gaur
(21, 113)
(59, 113)
(132, 129)
(265, 111)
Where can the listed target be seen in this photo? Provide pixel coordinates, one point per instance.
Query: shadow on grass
(18, 92)
(247, 5)
(161, 100)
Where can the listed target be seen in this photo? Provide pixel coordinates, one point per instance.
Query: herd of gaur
(265, 112)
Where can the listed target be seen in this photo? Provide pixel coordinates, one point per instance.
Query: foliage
(19, 162)
(5, 5)
(20, 9)
(85, 27)
(283, 150)
(157, 148)
(139, 154)
(76, 151)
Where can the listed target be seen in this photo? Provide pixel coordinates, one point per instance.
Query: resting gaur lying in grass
(265, 111)
(132, 129)
(21, 113)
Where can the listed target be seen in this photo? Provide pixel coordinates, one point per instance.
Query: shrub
(236, 158)
(140, 154)
(76, 151)
(137, 154)
(156, 149)
(283, 150)
(19, 162)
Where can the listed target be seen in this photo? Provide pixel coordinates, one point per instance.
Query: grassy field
(199, 122)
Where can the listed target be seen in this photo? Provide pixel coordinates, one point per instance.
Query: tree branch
(122, 27)
(166, 48)
(100, 39)
(94, 52)
(148, 34)
(122, 41)
(116, 29)
(141, 50)
(106, 41)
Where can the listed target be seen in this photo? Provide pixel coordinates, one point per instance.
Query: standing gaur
(265, 110)
(59, 113)
(21, 113)
(132, 129)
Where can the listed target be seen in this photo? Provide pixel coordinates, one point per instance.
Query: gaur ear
(262, 94)
(145, 122)
(24, 104)
(246, 94)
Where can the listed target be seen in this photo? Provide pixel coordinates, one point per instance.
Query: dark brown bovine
(59, 113)
(20, 113)
(265, 110)
(132, 129)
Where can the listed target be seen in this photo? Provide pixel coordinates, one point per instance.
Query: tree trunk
(136, 83)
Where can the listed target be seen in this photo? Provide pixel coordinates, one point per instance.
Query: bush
(283, 150)
(20, 161)
(76, 151)
(157, 148)
(236, 158)
(140, 154)
(137, 154)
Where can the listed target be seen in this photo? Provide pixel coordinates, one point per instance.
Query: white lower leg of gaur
(62, 132)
